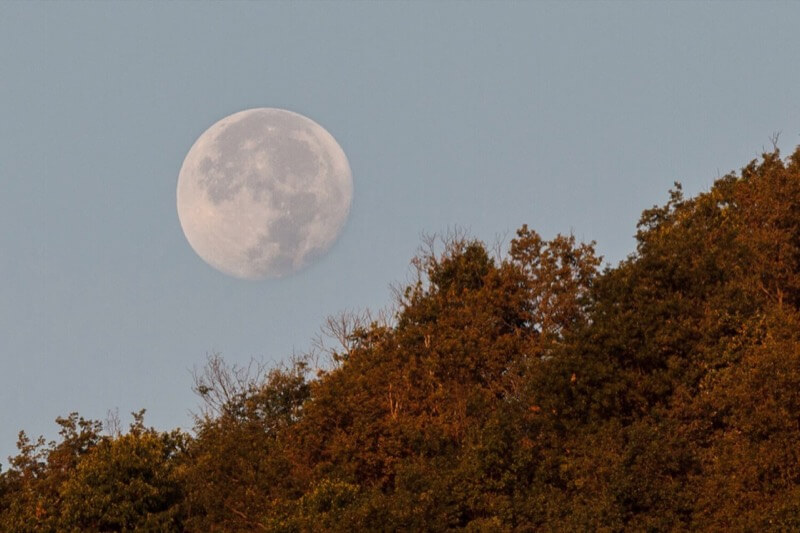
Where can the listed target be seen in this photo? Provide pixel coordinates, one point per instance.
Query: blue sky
(565, 116)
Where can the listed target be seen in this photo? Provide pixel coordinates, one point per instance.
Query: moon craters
(263, 192)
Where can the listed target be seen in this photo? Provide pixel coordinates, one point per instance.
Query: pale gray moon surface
(263, 193)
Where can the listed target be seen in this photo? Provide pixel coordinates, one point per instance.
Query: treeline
(531, 392)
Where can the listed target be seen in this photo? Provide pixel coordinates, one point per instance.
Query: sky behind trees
(565, 117)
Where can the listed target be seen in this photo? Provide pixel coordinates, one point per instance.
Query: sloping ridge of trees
(531, 392)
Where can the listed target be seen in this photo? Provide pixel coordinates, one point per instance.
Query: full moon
(263, 193)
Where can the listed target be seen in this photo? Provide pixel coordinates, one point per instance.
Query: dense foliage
(530, 392)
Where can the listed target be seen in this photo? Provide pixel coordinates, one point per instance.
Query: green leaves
(94, 482)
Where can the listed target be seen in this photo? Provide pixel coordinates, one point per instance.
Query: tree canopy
(535, 390)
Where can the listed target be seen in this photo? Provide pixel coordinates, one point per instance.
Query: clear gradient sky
(567, 117)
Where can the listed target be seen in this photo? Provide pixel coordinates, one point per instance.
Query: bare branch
(774, 140)
(347, 330)
(112, 424)
(219, 383)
